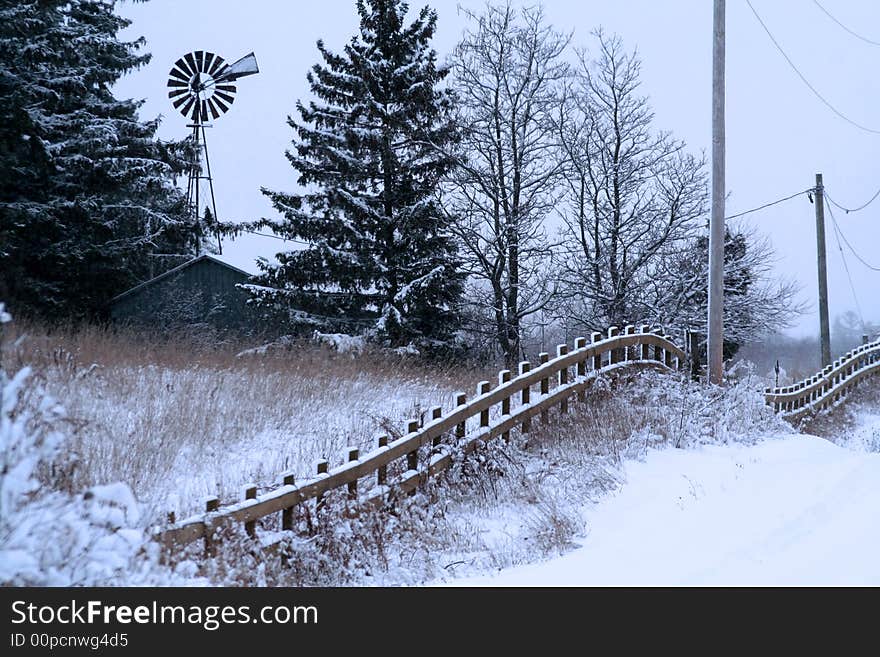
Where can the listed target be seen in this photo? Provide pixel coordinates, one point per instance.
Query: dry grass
(177, 417)
(178, 420)
(842, 419)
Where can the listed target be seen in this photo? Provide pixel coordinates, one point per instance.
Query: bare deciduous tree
(508, 74)
(634, 196)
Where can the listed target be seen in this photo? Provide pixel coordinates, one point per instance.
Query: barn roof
(175, 270)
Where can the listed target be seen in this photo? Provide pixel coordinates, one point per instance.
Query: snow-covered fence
(429, 448)
(824, 388)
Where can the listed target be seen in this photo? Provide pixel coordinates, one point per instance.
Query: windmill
(201, 87)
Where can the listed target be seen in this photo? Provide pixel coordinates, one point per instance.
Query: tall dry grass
(179, 420)
(507, 503)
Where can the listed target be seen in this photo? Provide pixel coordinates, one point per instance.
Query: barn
(199, 293)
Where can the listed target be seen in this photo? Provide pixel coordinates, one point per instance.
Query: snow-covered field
(655, 480)
(178, 426)
(791, 510)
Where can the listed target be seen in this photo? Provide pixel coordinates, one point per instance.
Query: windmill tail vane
(201, 87)
(245, 66)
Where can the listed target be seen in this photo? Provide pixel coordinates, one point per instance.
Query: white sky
(778, 134)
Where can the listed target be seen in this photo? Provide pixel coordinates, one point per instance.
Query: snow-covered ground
(793, 510)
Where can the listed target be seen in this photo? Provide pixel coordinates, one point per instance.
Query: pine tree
(380, 260)
(86, 190)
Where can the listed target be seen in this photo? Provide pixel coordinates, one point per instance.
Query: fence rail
(824, 388)
(570, 371)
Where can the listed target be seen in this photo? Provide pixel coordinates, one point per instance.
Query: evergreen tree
(756, 301)
(86, 190)
(380, 260)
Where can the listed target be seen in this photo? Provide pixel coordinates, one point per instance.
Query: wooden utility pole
(715, 342)
(824, 330)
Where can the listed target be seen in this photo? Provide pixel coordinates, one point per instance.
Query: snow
(793, 510)
(866, 434)
(51, 537)
(345, 344)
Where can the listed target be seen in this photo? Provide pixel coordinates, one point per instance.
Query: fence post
(382, 470)
(250, 493)
(461, 427)
(353, 485)
(658, 349)
(616, 355)
(694, 346)
(483, 387)
(595, 337)
(525, 395)
(645, 348)
(630, 350)
(212, 504)
(544, 357)
(503, 378)
(322, 468)
(581, 343)
(561, 351)
(837, 378)
(436, 412)
(287, 514)
(412, 458)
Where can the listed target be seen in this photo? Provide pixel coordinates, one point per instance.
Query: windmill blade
(177, 83)
(196, 112)
(220, 104)
(187, 102)
(209, 62)
(224, 96)
(213, 108)
(200, 60)
(176, 72)
(245, 66)
(227, 88)
(218, 62)
(192, 62)
(185, 67)
(180, 101)
(204, 110)
(174, 93)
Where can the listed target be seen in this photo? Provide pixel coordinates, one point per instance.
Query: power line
(852, 287)
(861, 207)
(847, 242)
(274, 237)
(855, 34)
(804, 80)
(767, 205)
(285, 239)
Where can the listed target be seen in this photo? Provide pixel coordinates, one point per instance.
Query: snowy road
(788, 511)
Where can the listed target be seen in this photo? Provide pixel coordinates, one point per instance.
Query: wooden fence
(428, 448)
(828, 386)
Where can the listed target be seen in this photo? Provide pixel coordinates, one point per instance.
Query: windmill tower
(201, 87)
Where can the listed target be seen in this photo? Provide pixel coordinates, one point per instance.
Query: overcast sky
(779, 135)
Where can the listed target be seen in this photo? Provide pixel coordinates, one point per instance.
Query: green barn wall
(202, 292)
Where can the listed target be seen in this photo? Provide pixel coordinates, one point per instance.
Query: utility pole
(715, 342)
(824, 330)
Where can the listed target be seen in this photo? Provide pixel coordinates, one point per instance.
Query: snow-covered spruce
(371, 148)
(86, 189)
